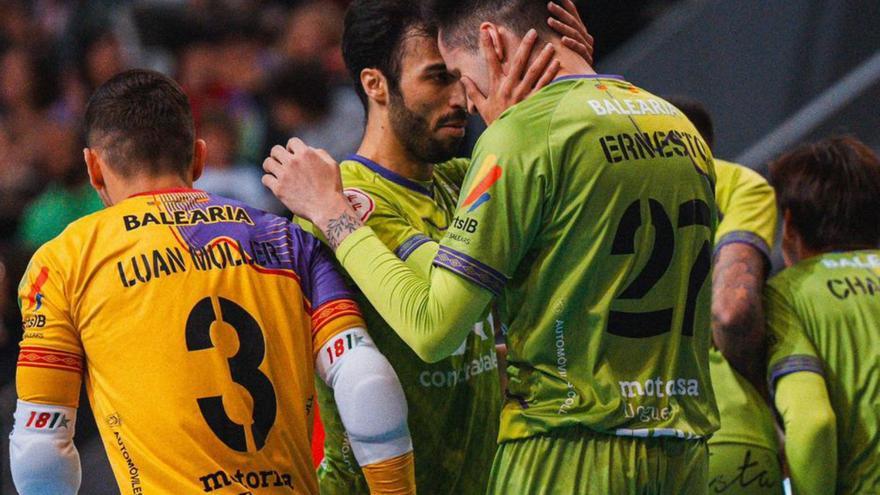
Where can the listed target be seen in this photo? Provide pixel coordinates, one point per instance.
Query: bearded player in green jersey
(823, 316)
(744, 453)
(404, 184)
(588, 211)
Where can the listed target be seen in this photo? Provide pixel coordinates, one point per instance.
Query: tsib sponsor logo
(468, 225)
(34, 321)
(488, 175)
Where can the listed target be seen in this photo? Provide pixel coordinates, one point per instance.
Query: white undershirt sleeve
(368, 395)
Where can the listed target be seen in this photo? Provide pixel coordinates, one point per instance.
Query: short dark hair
(306, 84)
(143, 121)
(373, 38)
(459, 20)
(832, 189)
(698, 115)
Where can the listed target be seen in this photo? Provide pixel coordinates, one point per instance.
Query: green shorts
(736, 468)
(577, 461)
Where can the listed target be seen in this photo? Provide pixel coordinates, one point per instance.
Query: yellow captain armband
(395, 476)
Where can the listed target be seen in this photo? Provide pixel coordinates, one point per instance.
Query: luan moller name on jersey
(197, 216)
(219, 255)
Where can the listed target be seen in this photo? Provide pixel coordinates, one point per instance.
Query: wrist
(337, 221)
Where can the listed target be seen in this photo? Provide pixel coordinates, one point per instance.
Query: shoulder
(453, 171)
(736, 175)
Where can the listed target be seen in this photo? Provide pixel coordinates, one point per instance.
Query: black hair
(458, 20)
(832, 191)
(143, 121)
(373, 38)
(305, 84)
(698, 115)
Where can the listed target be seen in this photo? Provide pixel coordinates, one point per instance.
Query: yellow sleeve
(396, 476)
(50, 360)
(810, 432)
(747, 204)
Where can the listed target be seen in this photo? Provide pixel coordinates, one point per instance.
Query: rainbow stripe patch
(488, 175)
(35, 297)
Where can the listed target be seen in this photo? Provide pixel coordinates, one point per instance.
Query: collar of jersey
(392, 176)
(170, 190)
(588, 76)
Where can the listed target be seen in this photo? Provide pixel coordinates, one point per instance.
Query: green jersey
(823, 316)
(589, 211)
(747, 206)
(453, 404)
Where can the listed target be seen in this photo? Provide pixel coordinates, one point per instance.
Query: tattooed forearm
(339, 228)
(737, 311)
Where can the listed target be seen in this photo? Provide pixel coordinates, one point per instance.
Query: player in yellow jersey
(744, 453)
(197, 324)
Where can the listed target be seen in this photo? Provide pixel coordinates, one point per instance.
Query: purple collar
(392, 176)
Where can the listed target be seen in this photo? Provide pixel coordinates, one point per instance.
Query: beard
(416, 133)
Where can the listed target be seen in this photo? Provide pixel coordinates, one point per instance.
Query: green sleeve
(810, 432)
(790, 349)
(432, 316)
(502, 205)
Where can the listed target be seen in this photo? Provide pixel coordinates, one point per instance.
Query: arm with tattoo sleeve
(737, 310)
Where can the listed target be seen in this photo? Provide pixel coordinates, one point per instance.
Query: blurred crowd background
(256, 72)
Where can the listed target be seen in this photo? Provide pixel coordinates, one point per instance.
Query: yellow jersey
(195, 322)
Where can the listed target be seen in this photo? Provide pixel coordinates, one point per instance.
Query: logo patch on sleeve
(362, 203)
(488, 175)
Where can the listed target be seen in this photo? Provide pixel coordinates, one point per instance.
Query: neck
(126, 189)
(382, 146)
(571, 64)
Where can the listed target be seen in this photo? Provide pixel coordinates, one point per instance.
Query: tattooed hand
(308, 182)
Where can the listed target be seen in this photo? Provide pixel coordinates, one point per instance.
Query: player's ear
(496, 39)
(200, 156)
(375, 85)
(96, 175)
(94, 165)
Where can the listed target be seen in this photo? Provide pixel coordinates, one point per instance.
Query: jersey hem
(795, 364)
(744, 237)
(409, 246)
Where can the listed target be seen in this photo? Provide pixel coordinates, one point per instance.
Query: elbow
(432, 352)
(734, 320)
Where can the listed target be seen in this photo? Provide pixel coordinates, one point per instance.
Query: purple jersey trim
(744, 237)
(479, 273)
(392, 176)
(795, 364)
(271, 244)
(410, 245)
(588, 76)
